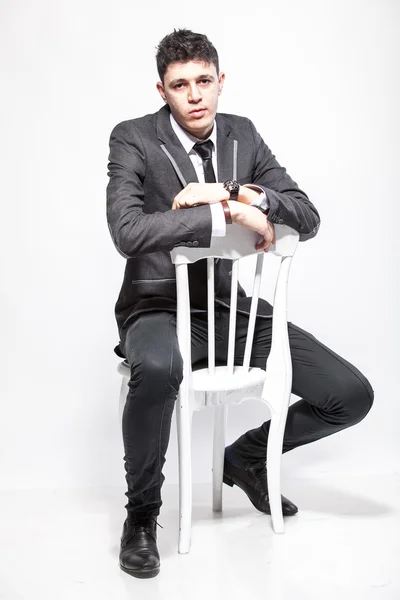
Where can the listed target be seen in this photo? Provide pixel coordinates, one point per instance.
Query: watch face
(231, 186)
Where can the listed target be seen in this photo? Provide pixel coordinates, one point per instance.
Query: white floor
(343, 544)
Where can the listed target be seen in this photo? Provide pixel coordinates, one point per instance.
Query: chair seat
(221, 380)
(124, 369)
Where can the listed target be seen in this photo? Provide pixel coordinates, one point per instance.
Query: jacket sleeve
(133, 231)
(287, 203)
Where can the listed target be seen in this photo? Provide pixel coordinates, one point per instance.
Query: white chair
(218, 386)
(223, 385)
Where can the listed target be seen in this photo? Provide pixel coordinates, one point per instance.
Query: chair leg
(220, 418)
(274, 459)
(184, 423)
(276, 392)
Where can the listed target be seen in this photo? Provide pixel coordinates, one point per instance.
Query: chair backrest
(239, 242)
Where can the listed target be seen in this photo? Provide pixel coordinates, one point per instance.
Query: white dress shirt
(188, 141)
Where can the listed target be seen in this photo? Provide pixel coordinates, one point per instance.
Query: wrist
(227, 212)
(236, 210)
(248, 216)
(233, 187)
(247, 195)
(225, 195)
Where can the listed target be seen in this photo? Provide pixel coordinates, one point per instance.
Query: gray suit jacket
(148, 167)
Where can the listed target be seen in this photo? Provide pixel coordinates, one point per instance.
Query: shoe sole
(143, 574)
(231, 483)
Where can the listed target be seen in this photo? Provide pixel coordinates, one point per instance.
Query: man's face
(191, 90)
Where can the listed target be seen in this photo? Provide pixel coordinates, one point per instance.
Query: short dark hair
(184, 45)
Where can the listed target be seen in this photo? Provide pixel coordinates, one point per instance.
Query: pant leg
(152, 351)
(335, 394)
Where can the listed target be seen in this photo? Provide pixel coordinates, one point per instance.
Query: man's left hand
(200, 193)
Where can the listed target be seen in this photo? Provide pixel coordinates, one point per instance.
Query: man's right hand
(200, 193)
(252, 218)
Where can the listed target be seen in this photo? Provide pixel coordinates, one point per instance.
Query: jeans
(334, 395)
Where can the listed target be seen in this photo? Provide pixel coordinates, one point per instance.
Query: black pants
(335, 395)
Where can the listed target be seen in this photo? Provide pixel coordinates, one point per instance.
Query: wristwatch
(233, 188)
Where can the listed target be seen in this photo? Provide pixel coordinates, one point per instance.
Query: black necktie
(204, 149)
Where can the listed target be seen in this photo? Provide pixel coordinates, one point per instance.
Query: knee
(357, 399)
(158, 368)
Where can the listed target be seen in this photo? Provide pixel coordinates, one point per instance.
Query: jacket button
(195, 243)
(189, 244)
(280, 220)
(182, 243)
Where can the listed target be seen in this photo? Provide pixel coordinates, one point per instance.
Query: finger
(176, 205)
(183, 192)
(191, 201)
(179, 202)
(188, 200)
(264, 245)
(260, 245)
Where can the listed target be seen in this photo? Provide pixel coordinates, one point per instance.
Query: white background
(320, 82)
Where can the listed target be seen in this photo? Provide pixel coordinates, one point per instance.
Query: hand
(269, 237)
(252, 218)
(200, 193)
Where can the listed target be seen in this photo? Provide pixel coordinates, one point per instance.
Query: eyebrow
(182, 80)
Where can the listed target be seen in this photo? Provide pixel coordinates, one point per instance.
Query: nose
(194, 93)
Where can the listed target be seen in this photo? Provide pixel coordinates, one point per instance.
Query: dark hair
(184, 45)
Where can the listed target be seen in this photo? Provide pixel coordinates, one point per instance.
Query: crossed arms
(136, 231)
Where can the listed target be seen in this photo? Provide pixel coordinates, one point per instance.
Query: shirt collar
(188, 140)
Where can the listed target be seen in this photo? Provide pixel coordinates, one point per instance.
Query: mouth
(198, 112)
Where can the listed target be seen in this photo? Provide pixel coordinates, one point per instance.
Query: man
(181, 176)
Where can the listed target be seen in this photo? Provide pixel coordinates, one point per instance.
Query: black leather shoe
(254, 483)
(139, 555)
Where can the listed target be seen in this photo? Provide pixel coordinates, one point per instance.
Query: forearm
(248, 216)
(287, 203)
(248, 196)
(135, 233)
(139, 223)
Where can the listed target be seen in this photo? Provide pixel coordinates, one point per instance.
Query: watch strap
(227, 212)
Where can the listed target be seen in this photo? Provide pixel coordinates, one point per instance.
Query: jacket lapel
(225, 148)
(173, 148)
(180, 159)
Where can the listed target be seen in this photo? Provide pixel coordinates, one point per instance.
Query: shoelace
(143, 522)
(140, 524)
(156, 522)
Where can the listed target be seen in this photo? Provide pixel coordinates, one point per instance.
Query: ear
(161, 90)
(221, 81)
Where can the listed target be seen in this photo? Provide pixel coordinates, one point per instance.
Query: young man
(181, 176)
